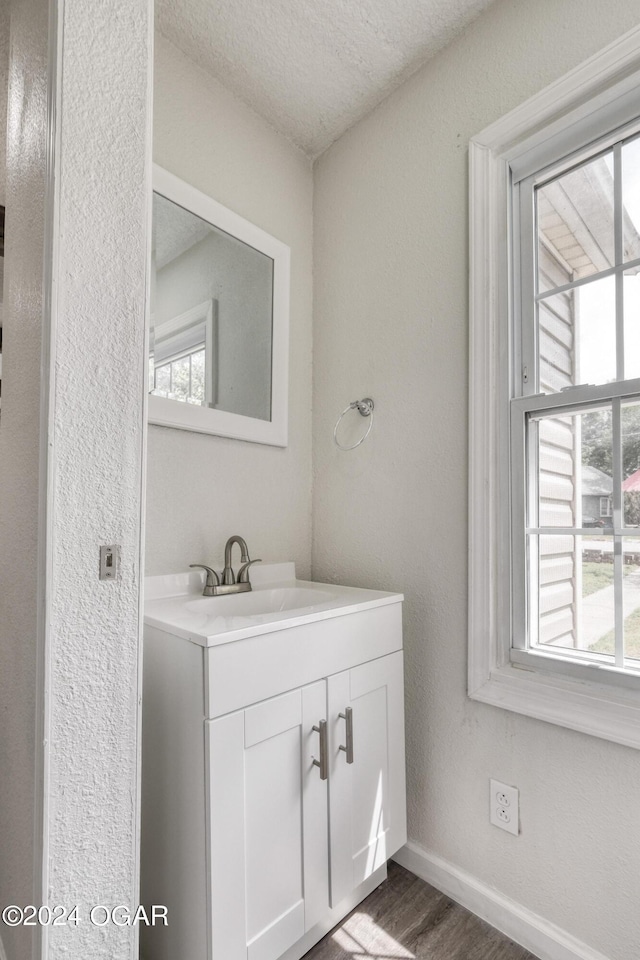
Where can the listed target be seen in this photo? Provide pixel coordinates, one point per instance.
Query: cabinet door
(267, 826)
(367, 799)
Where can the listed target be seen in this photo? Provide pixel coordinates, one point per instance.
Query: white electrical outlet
(503, 806)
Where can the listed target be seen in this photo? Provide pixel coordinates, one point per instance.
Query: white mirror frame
(186, 416)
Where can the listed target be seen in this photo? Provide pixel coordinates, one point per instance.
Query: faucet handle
(213, 580)
(243, 572)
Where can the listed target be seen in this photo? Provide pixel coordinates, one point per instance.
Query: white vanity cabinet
(267, 826)
(367, 797)
(255, 849)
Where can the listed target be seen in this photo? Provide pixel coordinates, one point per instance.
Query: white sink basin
(277, 600)
(259, 603)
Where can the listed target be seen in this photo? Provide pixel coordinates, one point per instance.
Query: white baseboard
(544, 939)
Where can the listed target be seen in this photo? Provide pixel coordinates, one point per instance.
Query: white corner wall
(71, 464)
(391, 319)
(201, 489)
(96, 435)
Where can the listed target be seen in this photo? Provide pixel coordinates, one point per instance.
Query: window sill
(597, 709)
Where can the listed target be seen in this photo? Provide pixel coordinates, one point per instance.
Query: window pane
(180, 378)
(163, 379)
(575, 605)
(605, 643)
(574, 466)
(631, 198)
(575, 224)
(596, 322)
(556, 341)
(631, 281)
(577, 336)
(197, 377)
(596, 621)
(631, 597)
(630, 436)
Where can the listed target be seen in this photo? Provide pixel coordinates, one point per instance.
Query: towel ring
(365, 409)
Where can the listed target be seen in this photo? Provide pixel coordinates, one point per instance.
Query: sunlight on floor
(361, 928)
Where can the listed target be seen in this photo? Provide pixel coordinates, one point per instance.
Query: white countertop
(277, 601)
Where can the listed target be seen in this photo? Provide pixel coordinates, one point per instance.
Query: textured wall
(202, 489)
(96, 470)
(20, 464)
(391, 278)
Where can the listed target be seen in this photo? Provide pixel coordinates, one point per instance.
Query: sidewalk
(598, 609)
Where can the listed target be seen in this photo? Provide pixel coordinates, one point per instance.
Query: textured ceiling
(175, 230)
(312, 68)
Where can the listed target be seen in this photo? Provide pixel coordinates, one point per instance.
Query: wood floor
(406, 919)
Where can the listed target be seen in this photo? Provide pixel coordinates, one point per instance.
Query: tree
(597, 440)
(632, 509)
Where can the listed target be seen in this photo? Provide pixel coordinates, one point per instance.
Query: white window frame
(582, 696)
(203, 314)
(605, 502)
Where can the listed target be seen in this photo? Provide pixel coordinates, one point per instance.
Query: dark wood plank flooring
(406, 919)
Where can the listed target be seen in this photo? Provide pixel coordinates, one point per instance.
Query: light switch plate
(110, 561)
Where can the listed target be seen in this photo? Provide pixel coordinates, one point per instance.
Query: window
(555, 403)
(605, 508)
(182, 376)
(182, 361)
(575, 411)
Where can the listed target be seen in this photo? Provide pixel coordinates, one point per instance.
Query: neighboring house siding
(593, 507)
(560, 582)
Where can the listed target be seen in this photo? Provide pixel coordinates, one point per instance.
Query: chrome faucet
(214, 586)
(212, 583)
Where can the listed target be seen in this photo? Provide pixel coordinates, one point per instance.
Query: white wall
(391, 316)
(202, 489)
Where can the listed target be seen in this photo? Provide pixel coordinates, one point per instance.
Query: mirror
(218, 330)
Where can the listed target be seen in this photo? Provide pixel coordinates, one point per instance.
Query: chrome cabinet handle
(321, 728)
(347, 716)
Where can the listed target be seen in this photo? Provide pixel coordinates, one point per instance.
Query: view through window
(181, 377)
(578, 491)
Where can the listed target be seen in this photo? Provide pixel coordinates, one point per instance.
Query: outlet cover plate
(504, 807)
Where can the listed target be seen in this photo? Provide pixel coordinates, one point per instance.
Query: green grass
(596, 576)
(606, 644)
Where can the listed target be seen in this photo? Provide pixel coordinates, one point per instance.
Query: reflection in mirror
(219, 319)
(211, 326)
